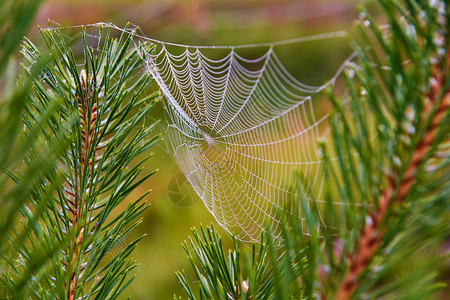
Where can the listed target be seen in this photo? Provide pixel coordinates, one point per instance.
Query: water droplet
(433, 3)
(363, 92)
(366, 23)
(350, 73)
(410, 129)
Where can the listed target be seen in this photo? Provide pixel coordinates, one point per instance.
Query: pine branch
(104, 109)
(372, 234)
(76, 207)
(403, 181)
(28, 164)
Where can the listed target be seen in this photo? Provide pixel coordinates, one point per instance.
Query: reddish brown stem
(77, 206)
(396, 191)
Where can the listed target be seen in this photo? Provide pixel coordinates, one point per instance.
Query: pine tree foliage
(15, 18)
(103, 107)
(390, 136)
(17, 145)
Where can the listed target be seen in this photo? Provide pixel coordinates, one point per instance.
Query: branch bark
(86, 116)
(396, 191)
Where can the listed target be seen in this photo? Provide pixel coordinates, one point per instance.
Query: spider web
(242, 130)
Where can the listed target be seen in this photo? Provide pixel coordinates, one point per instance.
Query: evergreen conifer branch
(104, 107)
(435, 104)
(395, 192)
(28, 164)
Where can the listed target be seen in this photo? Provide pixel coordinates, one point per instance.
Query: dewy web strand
(240, 129)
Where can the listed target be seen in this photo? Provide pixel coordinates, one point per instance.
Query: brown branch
(77, 206)
(394, 194)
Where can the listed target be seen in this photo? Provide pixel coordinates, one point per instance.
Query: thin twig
(396, 191)
(87, 140)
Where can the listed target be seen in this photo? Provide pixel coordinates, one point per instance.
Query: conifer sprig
(395, 193)
(419, 95)
(105, 106)
(28, 164)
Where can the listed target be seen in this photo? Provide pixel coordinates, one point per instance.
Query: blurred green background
(202, 22)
